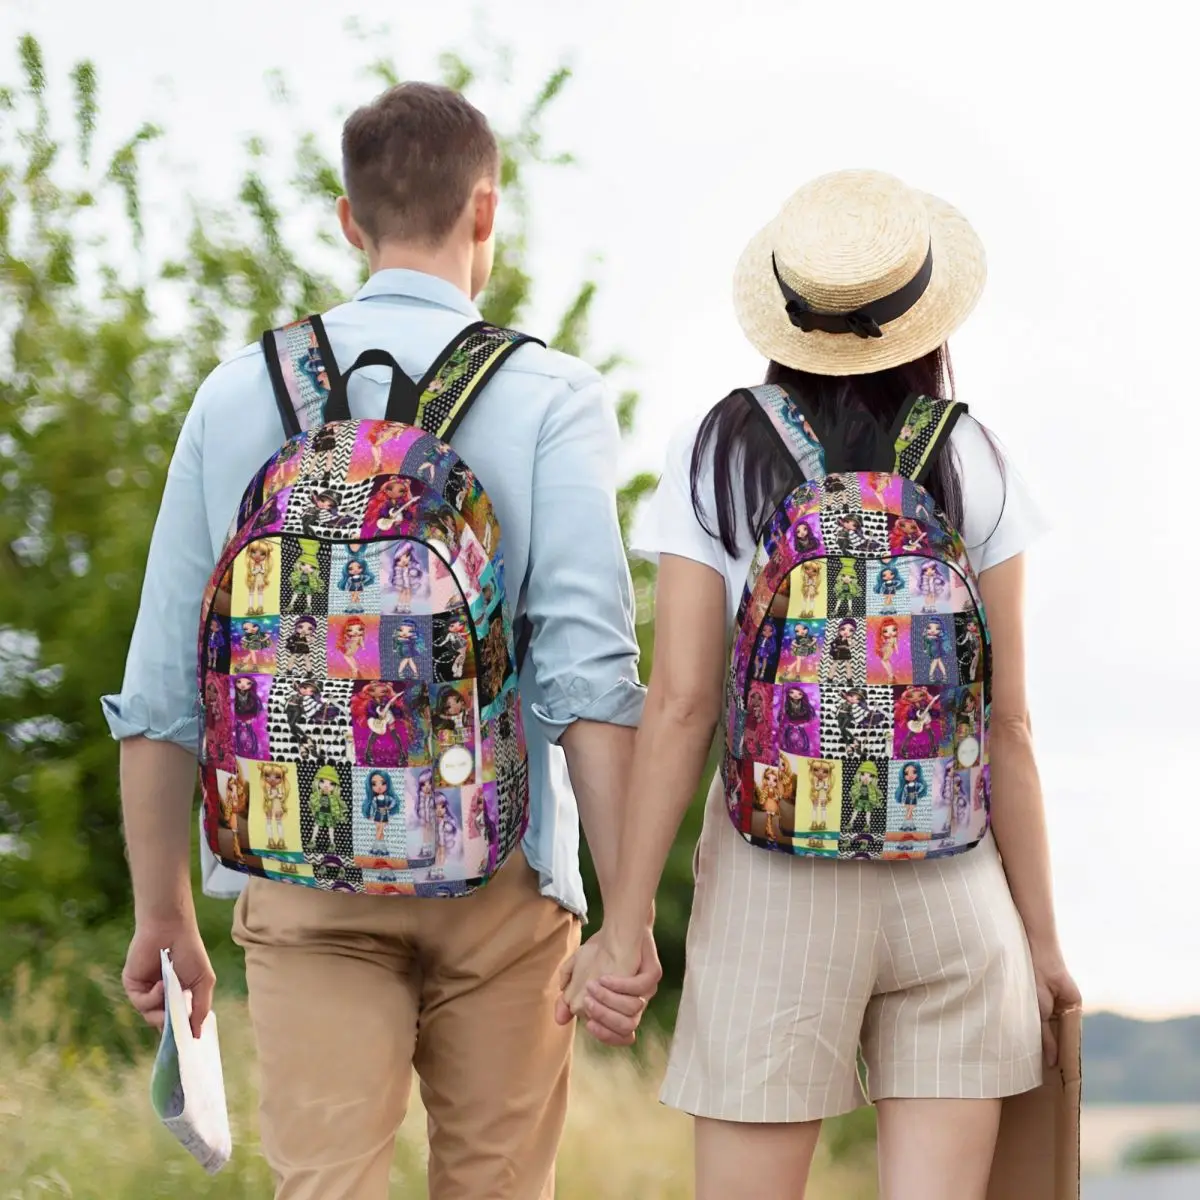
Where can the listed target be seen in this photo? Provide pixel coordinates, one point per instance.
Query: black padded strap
(453, 383)
(785, 415)
(922, 428)
(524, 637)
(303, 372)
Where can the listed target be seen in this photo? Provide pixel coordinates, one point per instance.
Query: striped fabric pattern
(792, 961)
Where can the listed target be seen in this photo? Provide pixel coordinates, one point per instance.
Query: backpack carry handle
(403, 396)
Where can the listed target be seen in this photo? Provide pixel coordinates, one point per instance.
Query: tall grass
(77, 1123)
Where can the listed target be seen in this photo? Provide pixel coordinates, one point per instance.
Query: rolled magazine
(187, 1087)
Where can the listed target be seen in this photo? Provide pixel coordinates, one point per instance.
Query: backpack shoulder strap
(303, 372)
(922, 428)
(792, 426)
(460, 373)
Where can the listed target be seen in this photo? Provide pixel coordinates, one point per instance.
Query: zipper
(358, 542)
(984, 639)
(466, 604)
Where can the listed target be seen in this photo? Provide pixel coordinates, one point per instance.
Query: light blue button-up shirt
(542, 439)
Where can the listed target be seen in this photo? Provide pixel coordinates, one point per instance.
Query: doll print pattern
(883, 617)
(326, 750)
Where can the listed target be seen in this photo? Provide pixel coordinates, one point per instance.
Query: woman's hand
(1056, 992)
(609, 988)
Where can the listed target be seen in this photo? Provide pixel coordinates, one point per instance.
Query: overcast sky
(1061, 133)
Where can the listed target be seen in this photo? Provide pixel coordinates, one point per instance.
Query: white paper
(187, 1087)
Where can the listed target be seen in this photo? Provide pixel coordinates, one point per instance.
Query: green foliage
(77, 1122)
(1162, 1148)
(848, 1138)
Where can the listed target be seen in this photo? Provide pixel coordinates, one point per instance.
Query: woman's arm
(683, 704)
(1018, 814)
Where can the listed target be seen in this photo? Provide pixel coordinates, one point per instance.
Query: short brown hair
(410, 159)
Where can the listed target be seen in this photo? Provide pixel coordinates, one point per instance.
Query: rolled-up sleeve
(158, 698)
(578, 595)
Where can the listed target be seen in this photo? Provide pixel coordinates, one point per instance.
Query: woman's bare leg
(936, 1149)
(766, 1162)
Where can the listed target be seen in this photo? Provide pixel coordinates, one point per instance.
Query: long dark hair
(853, 415)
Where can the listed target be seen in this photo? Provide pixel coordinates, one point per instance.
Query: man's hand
(609, 990)
(142, 976)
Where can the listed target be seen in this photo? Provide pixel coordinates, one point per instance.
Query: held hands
(609, 988)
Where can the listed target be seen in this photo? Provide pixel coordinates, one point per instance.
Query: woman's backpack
(858, 689)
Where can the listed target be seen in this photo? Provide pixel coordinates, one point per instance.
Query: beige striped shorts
(795, 965)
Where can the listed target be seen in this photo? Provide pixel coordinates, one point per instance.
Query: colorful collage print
(362, 729)
(859, 718)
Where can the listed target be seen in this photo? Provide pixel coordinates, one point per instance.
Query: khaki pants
(349, 993)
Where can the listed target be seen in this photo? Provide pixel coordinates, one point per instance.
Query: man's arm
(157, 781)
(157, 721)
(579, 600)
(598, 758)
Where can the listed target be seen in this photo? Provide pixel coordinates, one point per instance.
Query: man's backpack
(858, 690)
(358, 677)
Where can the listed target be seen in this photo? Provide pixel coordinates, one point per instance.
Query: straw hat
(857, 273)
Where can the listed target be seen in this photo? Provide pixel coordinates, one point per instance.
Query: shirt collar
(416, 285)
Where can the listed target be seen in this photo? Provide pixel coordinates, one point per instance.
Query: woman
(406, 578)
(887, 639)
(810, 587)
(910, 791)
(357, 576)
(935, 970)
(351, 642)
(407, 648)
(424, 812)
(841, 650)
(328, 809)
(299, 644)
(797, 712)
(387, 507)
(378, 712)
(889, 582)
(934, 640)
(258, 576)
(234, 803)
(273, 778)
(247, 711)
(445, 836)
(970, 645)
(306, 582)
(933, 585)
(380, 804)
(452, 723)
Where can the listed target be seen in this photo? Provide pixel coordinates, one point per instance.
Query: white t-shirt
(1000, 518)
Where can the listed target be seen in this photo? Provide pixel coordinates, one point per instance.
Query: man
(347, 992)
